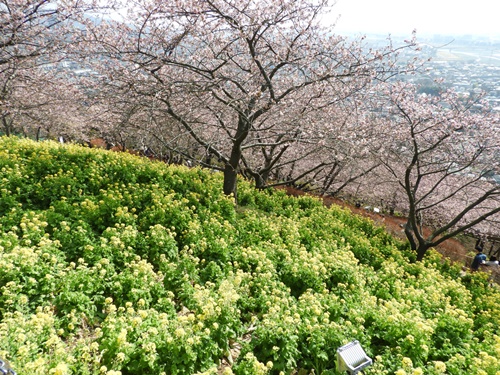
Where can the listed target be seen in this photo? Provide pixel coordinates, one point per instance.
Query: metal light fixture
(352, 358)
(5, 368)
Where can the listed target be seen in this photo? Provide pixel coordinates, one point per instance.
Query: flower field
(113, 264)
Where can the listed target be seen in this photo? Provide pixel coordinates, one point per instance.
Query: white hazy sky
(479, 17)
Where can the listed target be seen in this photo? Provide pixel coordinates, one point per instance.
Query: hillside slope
(112, 264)
(460, 250)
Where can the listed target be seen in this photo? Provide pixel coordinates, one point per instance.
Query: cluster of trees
(267, 90)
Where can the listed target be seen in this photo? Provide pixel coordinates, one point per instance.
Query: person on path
(479, 259)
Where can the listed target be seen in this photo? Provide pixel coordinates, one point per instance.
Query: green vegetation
(112, 264)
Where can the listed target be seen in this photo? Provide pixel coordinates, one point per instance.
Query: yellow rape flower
(407, 362)
(60, 369)
(440, 367)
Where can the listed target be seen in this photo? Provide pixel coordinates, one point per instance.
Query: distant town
(468, 64)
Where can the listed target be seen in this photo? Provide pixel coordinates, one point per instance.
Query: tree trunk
(6, 125)
(231, 170)
(409, 235)
(421, 250)
(230, 179)
(260, 181)
(417, 243)
(232, 166)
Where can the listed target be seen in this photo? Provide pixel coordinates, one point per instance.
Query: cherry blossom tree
(251, 83)
(22, 39)
(440, 150)
(37, 89)
(343, 149)
(25, 27)
(41, 100)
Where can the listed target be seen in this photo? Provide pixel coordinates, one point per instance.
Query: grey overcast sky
(400, 17)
